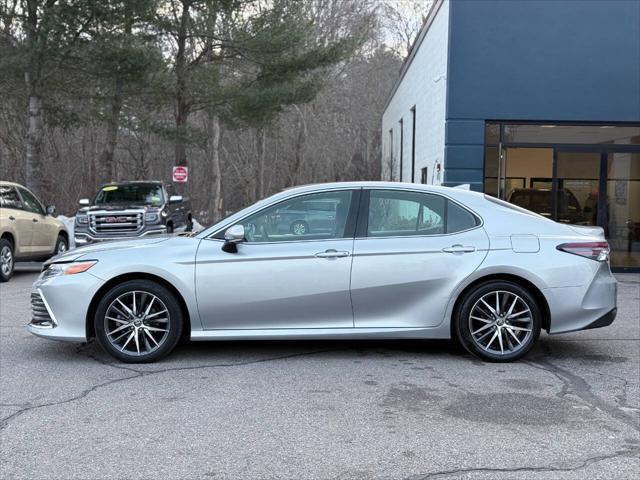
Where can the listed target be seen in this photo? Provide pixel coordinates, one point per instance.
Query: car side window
(318, 216)
(9, 197)
(459, 219)
(31, 203)
(400, 214)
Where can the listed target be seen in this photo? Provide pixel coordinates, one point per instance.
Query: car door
(44, 233)
(411, 250)
(17, 219)
(278, 279)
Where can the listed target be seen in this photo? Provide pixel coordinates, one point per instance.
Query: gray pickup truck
(131, 209)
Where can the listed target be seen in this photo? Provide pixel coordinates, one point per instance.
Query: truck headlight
(82, 219)
(151, 217)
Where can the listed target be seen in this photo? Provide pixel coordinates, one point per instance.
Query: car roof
(447, 191)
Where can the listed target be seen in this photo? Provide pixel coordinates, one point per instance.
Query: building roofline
(431, 15)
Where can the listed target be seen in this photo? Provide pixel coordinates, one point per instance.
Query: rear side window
(459, 219)
(399, 214)
(9, 198)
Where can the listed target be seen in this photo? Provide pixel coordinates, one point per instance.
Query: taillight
(598, 251)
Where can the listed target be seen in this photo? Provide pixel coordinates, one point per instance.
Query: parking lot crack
(583, 464)
(4, 422)
(578, 386)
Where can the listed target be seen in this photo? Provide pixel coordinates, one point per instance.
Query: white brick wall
(425, 86)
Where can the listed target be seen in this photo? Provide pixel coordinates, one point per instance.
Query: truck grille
(114, 223)
(39, 313)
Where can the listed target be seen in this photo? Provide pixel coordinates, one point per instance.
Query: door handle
(459, 249)
(12, 218)
(332, 254)
(34, 220)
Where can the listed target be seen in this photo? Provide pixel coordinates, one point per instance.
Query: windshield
(144, 194)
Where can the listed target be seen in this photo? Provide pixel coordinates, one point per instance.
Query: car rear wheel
(7, 260)
(138, 321)
(498, 321)
(62, 245)
(299, 227)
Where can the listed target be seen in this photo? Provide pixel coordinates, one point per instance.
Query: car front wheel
(498, 321)
(138, 321)
(7, 260)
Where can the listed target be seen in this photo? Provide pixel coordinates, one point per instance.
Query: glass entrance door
(621, 218)
(578, 187)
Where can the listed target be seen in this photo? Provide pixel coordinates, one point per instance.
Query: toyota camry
(391, 260)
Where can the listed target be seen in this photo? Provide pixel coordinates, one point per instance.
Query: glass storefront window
(596, 182)
(492, 134)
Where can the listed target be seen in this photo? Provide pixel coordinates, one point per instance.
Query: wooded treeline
(252, 95)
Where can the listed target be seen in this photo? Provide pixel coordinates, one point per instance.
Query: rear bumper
(604, 321)
(583, 307)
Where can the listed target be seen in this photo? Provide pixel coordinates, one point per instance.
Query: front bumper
(85, 238)
(66, 299)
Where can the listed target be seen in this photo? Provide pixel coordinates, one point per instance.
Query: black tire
(7, 260)
(462, 320)
(299, 227)
(189, 227)
(169, 227)
(175, 320)
(61, 242)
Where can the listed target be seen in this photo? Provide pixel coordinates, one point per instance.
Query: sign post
(180, 174)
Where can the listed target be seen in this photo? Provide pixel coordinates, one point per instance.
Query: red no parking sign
(180, 174)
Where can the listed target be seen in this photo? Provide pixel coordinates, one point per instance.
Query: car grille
(114, 223)
(39, 313)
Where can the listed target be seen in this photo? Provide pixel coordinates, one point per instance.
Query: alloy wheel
(137, 323)
(6, 260)
(62, 247)
(501, 322)
(299, 228)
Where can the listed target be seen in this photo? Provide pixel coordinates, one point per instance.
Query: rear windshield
(145, 194)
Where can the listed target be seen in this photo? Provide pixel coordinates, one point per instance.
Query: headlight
(151, 217)
(71, 268)
(82, 219)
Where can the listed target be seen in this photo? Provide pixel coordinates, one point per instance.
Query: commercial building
(534, 101)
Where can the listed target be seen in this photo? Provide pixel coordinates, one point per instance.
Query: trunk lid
(588, 231)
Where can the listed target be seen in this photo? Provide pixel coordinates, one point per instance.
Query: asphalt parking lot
(325, 410)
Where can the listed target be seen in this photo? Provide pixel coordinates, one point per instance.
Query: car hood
(88, 250)
(119, 207)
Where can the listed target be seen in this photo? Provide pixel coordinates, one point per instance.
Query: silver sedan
(398, 261)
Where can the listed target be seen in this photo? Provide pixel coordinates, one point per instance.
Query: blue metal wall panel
(573, 60)
(537, 60)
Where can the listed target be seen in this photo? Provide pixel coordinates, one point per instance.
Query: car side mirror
(232, 237)
(175, 198)
(51, 210)
(85, 202)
